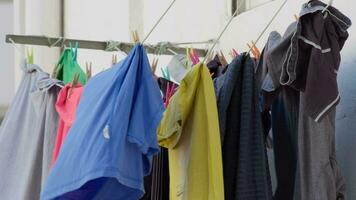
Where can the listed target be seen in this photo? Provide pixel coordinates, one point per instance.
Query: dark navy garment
(110, 146)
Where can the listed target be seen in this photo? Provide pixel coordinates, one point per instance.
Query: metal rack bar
(89, 44)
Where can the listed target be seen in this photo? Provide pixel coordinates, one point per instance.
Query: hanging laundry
(178, 67)
(190, 130)
(306, 60)
(283, 104)
(66, 106)
(110, 145)
(157, 184)
(215, 67)
(245, 163)
(27, 136)
(313, 59)
(67, 66)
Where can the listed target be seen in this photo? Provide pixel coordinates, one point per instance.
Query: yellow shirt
(190, 129)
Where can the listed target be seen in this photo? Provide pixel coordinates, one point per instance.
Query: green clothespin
(29, 56)
(165, 73)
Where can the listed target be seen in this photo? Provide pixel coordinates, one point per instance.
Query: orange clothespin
(258, 52)
(88, 69)
(252, 50)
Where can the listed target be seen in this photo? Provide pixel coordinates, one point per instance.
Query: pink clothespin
(194, 56)
(235, 52)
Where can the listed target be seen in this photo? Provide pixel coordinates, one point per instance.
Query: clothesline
(171, 48)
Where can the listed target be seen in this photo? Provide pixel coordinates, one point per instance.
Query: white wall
(37, 17)
(7, 73)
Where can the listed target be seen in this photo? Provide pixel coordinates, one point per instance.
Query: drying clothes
(110, 146)
(27, 136)
(282, 104)
(318, 175)
(313, 57)
(157, 183)
(178, 67)
(66, 106)
(304, 149)
(215, 67)
(284, 116)
(190, 130)
(67, 67)
(245, 163)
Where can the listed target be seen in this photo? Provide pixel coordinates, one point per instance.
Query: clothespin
(135, 37)
(169, 93)
(55, 71)
(234, 53)
(222, 59)
(29, 55)
(196, 57)
(74, 83)
(88, 69)
(154, 65)
(258, 52)
(209, 57)
(254, 50)
(113, 59)
(165, 73)
(296, 17)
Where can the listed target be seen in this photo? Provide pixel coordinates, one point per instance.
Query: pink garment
(66, 107)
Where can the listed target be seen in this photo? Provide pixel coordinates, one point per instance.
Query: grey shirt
(27, 136)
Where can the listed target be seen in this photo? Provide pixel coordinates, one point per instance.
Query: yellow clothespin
(296, 17)
(29, 55)
(135, 37)
(113, 59)
(88, 69)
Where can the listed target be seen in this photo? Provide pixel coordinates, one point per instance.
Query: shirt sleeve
(145, 117)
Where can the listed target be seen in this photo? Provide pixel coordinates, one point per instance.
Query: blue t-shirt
(109, 148)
